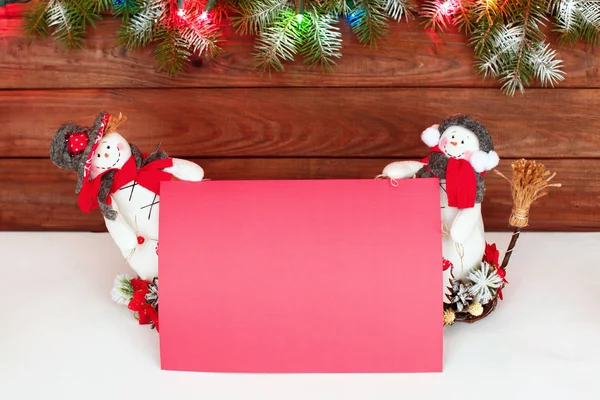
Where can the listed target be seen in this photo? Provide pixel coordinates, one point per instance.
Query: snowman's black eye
(107, 147)
(452, 136)
(462, 142)
(98, 155)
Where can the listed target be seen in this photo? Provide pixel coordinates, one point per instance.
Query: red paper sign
(301, 276)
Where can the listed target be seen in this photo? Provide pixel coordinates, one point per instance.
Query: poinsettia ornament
(115, 177)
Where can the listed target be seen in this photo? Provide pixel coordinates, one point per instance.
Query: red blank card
(301, 276)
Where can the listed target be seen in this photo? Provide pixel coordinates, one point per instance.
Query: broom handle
(511, 246)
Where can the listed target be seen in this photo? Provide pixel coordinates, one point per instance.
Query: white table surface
(62, 337)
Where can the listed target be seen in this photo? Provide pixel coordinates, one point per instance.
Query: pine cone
(475, 309)
(449, 316)
(461, 295)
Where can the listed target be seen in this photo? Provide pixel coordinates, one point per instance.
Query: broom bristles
(530, 182)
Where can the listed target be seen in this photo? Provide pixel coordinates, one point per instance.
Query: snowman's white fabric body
(463, 242)
(135, 229)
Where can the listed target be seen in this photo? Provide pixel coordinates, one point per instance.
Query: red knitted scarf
(461, 182)
(149, 176)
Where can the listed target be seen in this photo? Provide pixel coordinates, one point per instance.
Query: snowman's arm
(402, 169)
(186, 170)
(464, 223)
(123, 235)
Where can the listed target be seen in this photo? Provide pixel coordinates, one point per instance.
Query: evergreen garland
(507, 36)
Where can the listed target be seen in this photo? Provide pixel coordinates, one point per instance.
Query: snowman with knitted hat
(461, 150)
(115, 177)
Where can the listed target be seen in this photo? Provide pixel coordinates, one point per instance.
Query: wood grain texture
(306, 122)
(407, 57)
(41, 197)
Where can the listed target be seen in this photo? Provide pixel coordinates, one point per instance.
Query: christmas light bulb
(447, 7)
(299, 11)
(204, 16)
(181, 12)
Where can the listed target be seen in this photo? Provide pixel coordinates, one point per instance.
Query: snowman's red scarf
(149, 176)
(461, 182)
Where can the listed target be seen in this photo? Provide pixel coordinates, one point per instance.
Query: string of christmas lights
(507, 36)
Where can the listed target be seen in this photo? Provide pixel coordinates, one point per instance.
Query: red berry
(446, 264)
(141, 240)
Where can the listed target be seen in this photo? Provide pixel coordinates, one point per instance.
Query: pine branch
(101, 6)
(68, 28)
(255, 15)
(36, 20)
(546, 66)
(278, 42)
(126, 8)
(368, 21)
(577, 19)
(335, 7)
(397, 9)
(86, 9)
(438, 13)
(139, 30)
(201, 38)
(322, 40)
(464, 16)
(510, 45)
(171, 51)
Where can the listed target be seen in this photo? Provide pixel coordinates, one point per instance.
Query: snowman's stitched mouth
(116, 162)
(451, 156)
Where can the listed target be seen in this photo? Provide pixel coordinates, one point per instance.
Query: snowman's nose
(453, 143)
(105, 155)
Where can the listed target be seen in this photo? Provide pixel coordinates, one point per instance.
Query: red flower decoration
(499, 291)
(491, 255)
(147, 314)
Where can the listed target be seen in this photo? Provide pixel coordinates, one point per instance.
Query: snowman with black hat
(114, 176)
(461, 150)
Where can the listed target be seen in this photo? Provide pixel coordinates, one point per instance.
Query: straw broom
(530, 182)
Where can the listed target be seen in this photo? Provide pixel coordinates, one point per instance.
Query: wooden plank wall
(301, 124)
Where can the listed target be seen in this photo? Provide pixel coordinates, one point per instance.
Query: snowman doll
(115, 177)
(461, 150)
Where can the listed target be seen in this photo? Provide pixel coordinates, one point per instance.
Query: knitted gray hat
(73, 147)
(485, 140)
